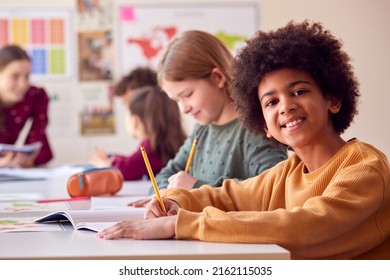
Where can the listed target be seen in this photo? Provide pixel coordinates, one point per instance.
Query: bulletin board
(144, 30)
(46, 34)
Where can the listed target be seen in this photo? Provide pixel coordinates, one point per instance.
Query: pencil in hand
(192, 152)
(149, 168)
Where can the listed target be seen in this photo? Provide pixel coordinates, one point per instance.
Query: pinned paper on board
(93, 15)
(127, 14)
(97, 113)
(96, 55)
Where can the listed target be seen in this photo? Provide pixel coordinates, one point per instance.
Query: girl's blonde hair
(193, 55)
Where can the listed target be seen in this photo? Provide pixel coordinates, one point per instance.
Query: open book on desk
(37, 173)
(95, 220)
(27, 149)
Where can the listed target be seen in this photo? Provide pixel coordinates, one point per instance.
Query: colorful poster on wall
(94, 14)
(96, 55)
(97, 114)
(144, 30)
(45, 33)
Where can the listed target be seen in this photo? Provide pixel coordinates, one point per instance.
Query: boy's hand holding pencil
(151, 175)
(181, 179)
(153, 209)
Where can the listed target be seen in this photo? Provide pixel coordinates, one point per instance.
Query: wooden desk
(85, 245)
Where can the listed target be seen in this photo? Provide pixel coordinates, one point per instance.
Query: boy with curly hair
(330, 199)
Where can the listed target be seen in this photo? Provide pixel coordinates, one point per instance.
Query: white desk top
(85, 245)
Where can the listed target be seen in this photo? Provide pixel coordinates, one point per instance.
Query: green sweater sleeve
(223, 152)
(179, 162)
(232, 152)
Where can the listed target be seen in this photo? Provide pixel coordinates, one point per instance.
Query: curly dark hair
(303, 46)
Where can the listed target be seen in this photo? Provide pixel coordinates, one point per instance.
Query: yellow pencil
(145, 156)
(192, 152)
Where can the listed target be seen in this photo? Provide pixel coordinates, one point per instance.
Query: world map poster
(144, 30)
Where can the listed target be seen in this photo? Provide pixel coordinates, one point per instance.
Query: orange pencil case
(95, 182)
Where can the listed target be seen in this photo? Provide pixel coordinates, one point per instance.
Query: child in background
(19, 102)
(330, 199)
(155, 120)
(225, 148)
(138, 77)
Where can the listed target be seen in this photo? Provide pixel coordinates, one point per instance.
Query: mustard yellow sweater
(339, 211)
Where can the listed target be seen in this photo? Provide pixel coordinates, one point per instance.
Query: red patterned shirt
(133, 166)
(34, 105)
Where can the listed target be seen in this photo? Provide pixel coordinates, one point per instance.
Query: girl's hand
(100, 158)
(6, 158)
(25, 160)
(162, 228)
(181, 180)
(141, 202)
(145, 201)
(18, 159)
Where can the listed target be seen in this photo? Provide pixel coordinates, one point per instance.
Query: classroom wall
(362, 24)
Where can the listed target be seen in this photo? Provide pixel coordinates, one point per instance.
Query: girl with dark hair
(155, 120)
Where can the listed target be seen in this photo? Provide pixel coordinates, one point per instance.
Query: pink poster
(38, 32)
(3, 31)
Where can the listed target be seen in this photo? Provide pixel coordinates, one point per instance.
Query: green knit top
(223, 151)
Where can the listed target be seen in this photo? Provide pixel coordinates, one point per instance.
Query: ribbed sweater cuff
(188, 225)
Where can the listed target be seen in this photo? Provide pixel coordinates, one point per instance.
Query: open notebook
(95, 220)
(27, 149)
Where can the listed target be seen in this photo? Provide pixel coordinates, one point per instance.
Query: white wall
(362, 24)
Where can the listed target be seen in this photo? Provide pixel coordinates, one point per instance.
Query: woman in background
(155, 120)
(19, 103)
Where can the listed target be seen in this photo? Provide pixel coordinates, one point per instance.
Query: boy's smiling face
(296, 112)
